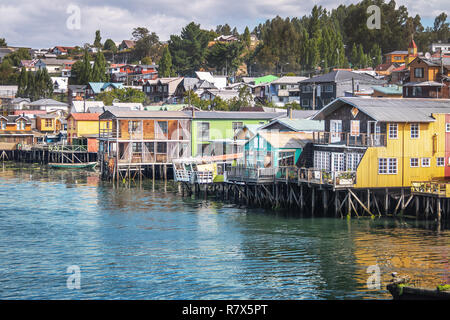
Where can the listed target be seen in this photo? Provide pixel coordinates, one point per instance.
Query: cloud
(42, 23)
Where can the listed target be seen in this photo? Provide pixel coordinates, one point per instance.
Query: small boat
(403, 292)
(401, 289)
(86, 165)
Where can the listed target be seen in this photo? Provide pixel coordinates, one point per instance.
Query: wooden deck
(440, 189)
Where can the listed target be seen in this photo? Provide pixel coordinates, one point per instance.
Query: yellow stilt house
(386, 142)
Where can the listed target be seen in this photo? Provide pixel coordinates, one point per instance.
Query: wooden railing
(439, 188)
(68, 148)
(339, 138)
(250, 174)
(337, 179)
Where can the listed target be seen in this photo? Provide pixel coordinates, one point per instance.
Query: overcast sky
(43, 23)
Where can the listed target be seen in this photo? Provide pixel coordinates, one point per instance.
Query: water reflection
(145, 241)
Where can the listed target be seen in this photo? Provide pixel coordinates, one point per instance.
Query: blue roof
(99, 87)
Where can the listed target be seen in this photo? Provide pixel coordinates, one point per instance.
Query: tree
(99, 69)
(146, 60)
(223, 30)
(85, 73)
(165, 64)
(3, 42)
(375, 55)
(189, 50)
(76, 71)
(22, 83)
(110, 45)
(15, 57)
(225, 56)
(246, 37)
(98, 39)
(122, 95)
(6, 73)
(147, 44)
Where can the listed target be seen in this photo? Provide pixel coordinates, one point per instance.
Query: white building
(439, 46)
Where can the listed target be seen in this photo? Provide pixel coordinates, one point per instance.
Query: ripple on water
(150, 243)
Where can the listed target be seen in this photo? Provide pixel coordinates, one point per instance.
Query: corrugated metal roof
(341, 76)
(391, 109)
(235, 115)
(389, 90)
(301, 124)
(137, 114)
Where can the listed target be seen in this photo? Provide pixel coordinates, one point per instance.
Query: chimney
(289, 112)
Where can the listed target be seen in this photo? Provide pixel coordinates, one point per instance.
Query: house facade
(145, 137)
(85, 125)
(213, 131)
(429, 78)
(162, 89)
(16, 129)
(382, 142)
(317, 92)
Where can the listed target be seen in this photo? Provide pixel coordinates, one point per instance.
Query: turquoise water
(147, 242)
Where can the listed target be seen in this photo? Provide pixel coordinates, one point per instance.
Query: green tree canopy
(189, 50)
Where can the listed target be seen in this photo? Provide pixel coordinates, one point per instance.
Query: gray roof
(137, 114)
(289, 80)
(48, 102)
(298, 124)
(391, 109)
(341, 76)
(12, 118)
(300, 114)
(107, 108)
(218, 115)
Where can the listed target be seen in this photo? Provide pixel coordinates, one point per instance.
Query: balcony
(335, 179)
(439, 189)
(347, 139)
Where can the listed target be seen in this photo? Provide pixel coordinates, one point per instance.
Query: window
(387, 166)
(328, 88)
(133, 126)
(397, 58)
(425, 162)
(305, 102)
(447, 127)
(353, 160)
(354, 128)
(237, 126)
(417, 91)
(393, 131)
(306, 89)
(414, 162)
(2, 125)
(322, 160)
(203, 128)
(161, 147)
(164, 126)
(21, 125)
(440, 162)
(48, 122)
(418, 72)
(414, 130)
(137, 147)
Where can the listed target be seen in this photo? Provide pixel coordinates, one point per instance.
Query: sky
(47, 23)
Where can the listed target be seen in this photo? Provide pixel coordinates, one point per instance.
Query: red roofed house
(59, 50)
